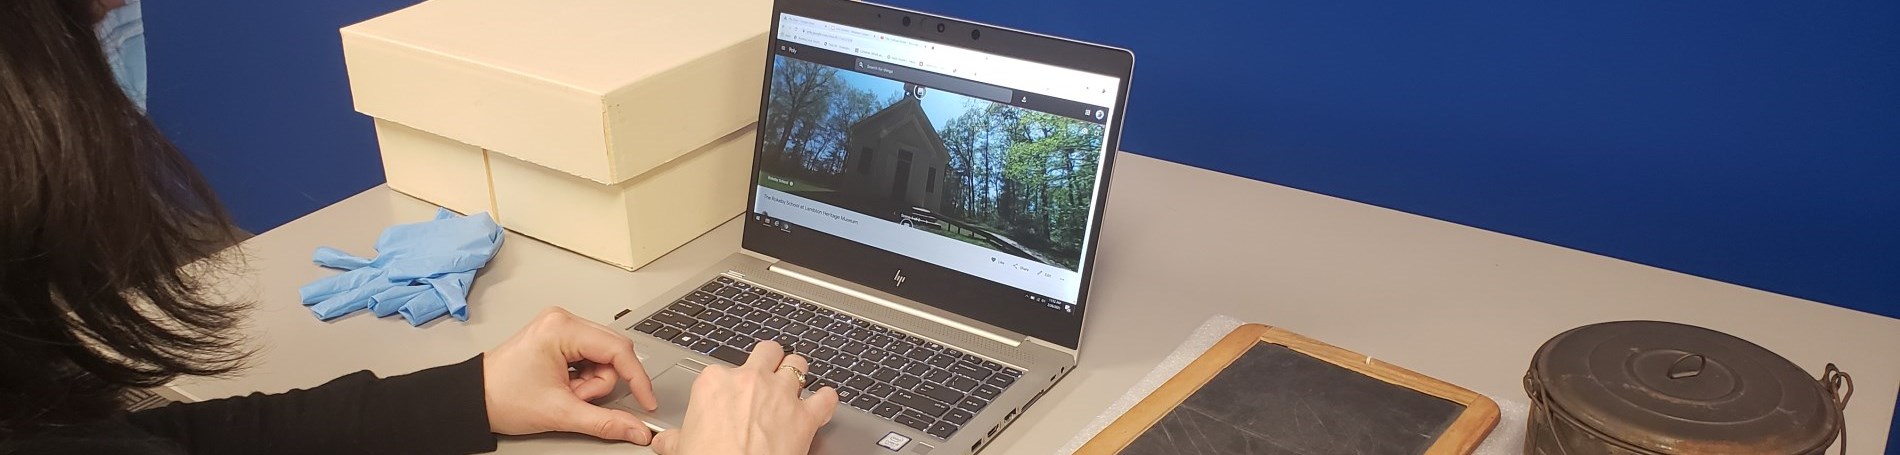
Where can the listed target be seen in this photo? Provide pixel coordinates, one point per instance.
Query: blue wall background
(1755, 142)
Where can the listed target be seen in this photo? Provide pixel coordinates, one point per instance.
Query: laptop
(925, 201)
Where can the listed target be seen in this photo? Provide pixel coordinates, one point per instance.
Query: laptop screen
(975, 162)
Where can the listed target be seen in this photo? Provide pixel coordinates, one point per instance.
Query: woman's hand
(753, 409)
(530, 390)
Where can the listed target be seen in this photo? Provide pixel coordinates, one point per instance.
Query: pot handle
(1841, 387)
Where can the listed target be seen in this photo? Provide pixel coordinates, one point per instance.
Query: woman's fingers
(767, 355)
(821, 404)
(798, 363)
(594, 381)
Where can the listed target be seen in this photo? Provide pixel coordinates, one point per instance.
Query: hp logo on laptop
(899, 277)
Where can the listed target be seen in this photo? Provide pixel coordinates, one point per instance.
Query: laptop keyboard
(915, 382)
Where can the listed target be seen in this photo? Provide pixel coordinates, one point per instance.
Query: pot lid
(1676, 388)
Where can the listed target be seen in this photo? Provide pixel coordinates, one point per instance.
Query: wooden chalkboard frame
(1461, 437)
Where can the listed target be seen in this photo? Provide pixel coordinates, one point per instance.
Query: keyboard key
(741, 285)
(812, 351)
(987, 392)
(938, 392)
(958, 416)
(723, 280)
(702, 329)
(796, 328)
(776, 296)
(919, 355)
(919, 403)
(674, 318)
(884, 375)
(746, 328)
(864, 368)
(859, 382)
(942, 430)
(648, 326)
(730, 355)
(878, 340)
(896, 363)
(723, 335)
(942, 360)
(1001, 380)
(819, 369)
(776, 322)
(704, 346)
(834, 341)
(719, 304)
(801, 316)
(1013, 373)
(712, 287)
(973, 404)
(874, 355)
(701, 297)
(838, 376)
(783, 309)
(821, 383)
(887, 410)
(687, 308)
(907, 382)
(745, 298)
(962, 383)
(973, 371)
(854, 346)
(911, 419)
(879, 390)
(758, 316)
(939, 376)
(971, 359)
(992, 366)
(865, 401)
(728, 293)
(767, 334)
(918, 369)
(667, 333)
(728, 321)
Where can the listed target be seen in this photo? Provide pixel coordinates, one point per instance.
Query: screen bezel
(967, 295)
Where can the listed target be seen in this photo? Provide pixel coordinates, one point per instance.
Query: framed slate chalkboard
(1262, 390)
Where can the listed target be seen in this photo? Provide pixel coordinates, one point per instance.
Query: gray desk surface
(1179, 245)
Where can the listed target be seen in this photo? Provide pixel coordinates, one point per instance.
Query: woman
(99, 217)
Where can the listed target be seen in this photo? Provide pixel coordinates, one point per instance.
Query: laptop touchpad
(671, 387)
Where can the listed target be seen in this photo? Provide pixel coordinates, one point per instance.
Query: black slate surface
(1274, 400)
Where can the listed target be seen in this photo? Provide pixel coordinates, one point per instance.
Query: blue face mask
(122, 35)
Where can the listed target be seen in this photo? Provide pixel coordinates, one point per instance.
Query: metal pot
(1646, 387)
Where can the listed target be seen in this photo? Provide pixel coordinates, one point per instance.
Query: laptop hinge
(1052, 346)
(897, 306)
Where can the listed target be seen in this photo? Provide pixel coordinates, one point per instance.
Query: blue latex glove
(422, 270)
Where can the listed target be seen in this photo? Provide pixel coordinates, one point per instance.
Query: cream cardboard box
(436, 169)
(601, 89)
(619, 129)
(634, 222)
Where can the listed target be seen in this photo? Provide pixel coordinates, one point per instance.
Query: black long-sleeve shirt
(440, 410)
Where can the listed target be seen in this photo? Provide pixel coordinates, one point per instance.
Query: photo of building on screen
(1002, 177)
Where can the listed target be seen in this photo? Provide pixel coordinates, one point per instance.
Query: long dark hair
(99, 218)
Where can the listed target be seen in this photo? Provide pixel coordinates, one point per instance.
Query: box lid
(596, 88)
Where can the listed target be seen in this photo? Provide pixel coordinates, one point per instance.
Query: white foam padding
(1508, 438)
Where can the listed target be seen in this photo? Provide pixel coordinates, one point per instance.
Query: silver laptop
(924, 207)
